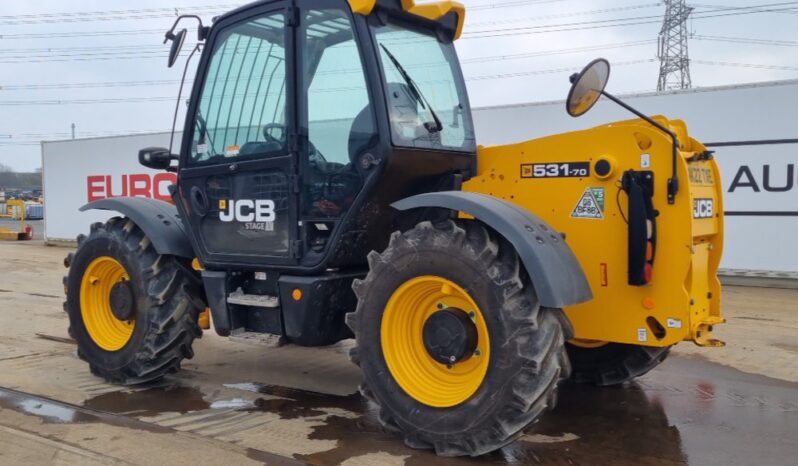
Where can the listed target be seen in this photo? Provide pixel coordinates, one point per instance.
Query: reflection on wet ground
(688, 411)
(150, 402)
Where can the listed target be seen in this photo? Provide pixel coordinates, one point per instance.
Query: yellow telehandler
(330, 186)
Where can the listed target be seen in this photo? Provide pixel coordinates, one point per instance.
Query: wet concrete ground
(244, 404)
(688, 411)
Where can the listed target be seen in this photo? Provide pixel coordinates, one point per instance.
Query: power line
(117, 15)
(510, 4)
(790, 11)
(747, 65)
(747, 40)
(565, 15)
(170, 9)
(63, 35)
(613, 22)
(58, 86)
(116, 48)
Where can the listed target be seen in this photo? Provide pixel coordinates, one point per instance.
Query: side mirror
(587, 86)
(156, 158)
(177, 44)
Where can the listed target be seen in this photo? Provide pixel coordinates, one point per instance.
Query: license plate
(700, 176)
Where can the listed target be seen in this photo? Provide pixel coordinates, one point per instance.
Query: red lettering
(159, 179)
(94, 187)
(133, 185)
(109, 187)
(140, 185)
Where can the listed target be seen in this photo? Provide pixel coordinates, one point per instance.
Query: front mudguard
(556, 275)
(158, 220)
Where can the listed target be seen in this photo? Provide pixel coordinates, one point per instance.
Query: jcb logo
(246, 210)
(703, 208)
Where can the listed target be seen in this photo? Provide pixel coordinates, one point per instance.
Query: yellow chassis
(683, 298)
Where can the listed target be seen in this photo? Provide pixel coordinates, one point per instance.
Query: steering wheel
(267, 132)
(314, 155)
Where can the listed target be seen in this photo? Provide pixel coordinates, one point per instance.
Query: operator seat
(361, 134)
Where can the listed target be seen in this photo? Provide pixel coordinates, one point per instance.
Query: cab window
(426, 96)
(339, 119)
(241, 113)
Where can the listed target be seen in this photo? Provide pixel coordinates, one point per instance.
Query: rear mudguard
(158, 219)
(556, 275)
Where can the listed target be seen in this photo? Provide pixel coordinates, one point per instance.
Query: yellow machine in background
(24, 232)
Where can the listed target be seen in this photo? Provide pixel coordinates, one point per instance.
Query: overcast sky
(549, 35)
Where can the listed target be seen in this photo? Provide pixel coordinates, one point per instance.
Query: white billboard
(754, 127)
(76, 172)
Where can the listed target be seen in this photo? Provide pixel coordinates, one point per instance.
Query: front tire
(509, 378)
(132, 312)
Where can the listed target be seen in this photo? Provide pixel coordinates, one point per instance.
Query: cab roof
(434, 11)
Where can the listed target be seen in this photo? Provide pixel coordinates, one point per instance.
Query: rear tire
(165, 299)
(613, 363)
(526, 357)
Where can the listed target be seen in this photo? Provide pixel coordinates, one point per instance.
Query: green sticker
(598, 193)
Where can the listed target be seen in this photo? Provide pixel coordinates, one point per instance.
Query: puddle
(149, 401)
(688, 412)
(49, 412)
(234, 403)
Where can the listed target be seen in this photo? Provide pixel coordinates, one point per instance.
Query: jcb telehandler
(330, 186)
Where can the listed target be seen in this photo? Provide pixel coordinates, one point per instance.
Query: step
(267, 340)
(257, 300)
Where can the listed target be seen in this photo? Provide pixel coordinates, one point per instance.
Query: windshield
(426, 94)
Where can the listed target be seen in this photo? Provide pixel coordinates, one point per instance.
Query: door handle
(199, 201)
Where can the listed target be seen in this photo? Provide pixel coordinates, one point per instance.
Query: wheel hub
(122, 300)
(450, 335)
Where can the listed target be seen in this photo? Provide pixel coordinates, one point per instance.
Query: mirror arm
(201, 32)
(673, 181)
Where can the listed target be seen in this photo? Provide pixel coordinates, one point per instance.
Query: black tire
(168, 300)
(527, 358)
(613, 363)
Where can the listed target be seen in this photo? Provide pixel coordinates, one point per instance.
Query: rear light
(642, 223)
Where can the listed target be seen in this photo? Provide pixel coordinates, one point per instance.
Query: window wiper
(431, 127)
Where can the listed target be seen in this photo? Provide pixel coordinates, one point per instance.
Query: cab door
(238, 168)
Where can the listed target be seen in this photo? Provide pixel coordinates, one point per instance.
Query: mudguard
(556, 275)
(158, 219)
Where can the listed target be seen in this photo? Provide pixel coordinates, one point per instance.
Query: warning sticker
(231, 150)
(590, 205)
(642, 334)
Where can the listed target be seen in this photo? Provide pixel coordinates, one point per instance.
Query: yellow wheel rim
(419, 375)
(585, 343)
(108, 332)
